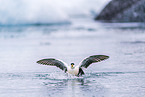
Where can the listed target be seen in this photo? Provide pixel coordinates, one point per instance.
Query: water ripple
(61, 77)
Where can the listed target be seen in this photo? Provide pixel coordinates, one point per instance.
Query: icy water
(122, 75)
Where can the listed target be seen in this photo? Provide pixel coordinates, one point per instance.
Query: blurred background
(31, 12)
(31, 30)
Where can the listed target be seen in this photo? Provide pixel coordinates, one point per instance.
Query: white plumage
(73, 71)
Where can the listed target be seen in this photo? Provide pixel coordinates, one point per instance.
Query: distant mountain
(123, 11)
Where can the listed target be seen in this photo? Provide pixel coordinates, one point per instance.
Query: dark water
(122, 75)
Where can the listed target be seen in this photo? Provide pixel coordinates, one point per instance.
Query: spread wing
(92, 59)
(53, 62)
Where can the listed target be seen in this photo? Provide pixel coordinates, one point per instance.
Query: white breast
(74, 71)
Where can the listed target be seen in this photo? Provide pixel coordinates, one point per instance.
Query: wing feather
(53, 62)
(92, 59)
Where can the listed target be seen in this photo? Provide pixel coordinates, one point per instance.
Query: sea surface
(31, 30)
(122, 75)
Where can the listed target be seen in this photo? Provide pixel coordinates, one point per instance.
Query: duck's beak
(72, 65)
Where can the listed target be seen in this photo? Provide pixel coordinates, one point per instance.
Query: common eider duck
(74, 70)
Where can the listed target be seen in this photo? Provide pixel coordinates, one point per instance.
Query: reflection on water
(68, 86)
(54, 84)
(92, 84)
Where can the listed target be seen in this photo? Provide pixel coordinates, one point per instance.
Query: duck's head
(72, 64)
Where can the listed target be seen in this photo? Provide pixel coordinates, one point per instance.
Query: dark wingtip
(101, 57)
(39, 62)
(106, 56)
(44, 63)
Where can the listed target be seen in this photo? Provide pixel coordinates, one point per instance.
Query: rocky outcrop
(123, 11)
